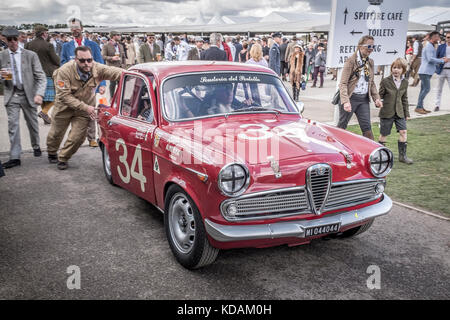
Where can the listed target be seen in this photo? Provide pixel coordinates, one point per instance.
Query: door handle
(111, 123)
(106, 113)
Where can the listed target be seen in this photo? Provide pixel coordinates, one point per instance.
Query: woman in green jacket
(394, 92)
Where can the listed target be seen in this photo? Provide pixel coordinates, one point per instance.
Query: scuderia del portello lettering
(227, 309)
(223, 79)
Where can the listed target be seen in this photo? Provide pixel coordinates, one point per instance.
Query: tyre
(356, 231)
(185, 231)
(106, 164)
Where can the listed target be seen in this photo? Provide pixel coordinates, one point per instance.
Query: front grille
(352, 193)
(268, 204)
(318, 196)
(318, 180)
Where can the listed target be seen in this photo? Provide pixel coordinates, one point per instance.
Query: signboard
(385, 20)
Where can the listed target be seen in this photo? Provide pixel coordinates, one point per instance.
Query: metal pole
(387, 71)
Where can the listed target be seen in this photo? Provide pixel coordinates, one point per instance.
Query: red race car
(221, 149)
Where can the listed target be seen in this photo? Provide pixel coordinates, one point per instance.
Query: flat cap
(277, 35)
(114, 33)
(10, 32)
(150, 34)
(199, 39)
(40, 28)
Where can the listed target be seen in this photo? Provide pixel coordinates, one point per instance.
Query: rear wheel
(107, 164)
(356, 231)
(185, 231)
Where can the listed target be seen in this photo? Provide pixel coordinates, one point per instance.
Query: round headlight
(233, 179)
(381, 162)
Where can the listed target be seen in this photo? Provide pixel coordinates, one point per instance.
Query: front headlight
(233, 179)
(381, 162)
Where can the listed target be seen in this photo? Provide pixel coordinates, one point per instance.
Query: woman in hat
(295, 72)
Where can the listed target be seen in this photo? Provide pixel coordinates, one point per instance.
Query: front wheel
(350, 233)
(107, 164)
(185, 231)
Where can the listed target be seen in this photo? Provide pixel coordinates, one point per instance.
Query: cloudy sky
(157, 12)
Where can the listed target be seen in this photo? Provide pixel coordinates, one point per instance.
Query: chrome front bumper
(227, 233)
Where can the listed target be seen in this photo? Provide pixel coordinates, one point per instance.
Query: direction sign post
(385, 20)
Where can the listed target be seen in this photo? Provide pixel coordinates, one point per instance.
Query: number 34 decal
(137, 161)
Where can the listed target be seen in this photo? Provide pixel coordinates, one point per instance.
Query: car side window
(136, 102)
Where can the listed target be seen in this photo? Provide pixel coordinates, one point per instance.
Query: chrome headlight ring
(381, 161)
(233, 179)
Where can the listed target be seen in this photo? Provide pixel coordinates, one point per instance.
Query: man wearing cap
(75, 84)
(195, 53)
(114, 55)
(275, 55)
(49, 62)
(24, 91)
(149, 51)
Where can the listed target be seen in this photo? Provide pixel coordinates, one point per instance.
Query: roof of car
(165, 69)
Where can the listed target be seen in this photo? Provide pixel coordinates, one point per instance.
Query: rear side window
(136, 102)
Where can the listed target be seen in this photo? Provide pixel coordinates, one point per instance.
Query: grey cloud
(161, 11)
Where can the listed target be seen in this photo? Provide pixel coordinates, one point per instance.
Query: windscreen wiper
(257, 109)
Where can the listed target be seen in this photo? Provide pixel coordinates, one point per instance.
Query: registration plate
(328, 228)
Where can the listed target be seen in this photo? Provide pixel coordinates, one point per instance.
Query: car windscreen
(201, 95)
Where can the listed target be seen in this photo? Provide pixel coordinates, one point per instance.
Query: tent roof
(304, 26)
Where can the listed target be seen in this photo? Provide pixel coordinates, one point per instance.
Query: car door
(135, 123)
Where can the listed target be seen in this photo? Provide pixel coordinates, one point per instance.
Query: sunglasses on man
(11, 38)
(89, 60)
(369, 46)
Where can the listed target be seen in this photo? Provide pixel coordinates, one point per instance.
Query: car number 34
(137, 161)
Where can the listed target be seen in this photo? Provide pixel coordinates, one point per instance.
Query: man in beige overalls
(75, 84)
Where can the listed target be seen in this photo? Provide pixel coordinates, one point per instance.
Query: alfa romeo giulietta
(222, 150)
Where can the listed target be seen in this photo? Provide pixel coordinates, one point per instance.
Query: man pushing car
(75, 84)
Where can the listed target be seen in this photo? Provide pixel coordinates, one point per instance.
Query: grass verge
(424, 184)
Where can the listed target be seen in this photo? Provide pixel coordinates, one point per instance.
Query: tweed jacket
(395, 100)
(145, 54)
(33, 77)
(46, 53)
(347, 85)
(109, 51)
(194, 54)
